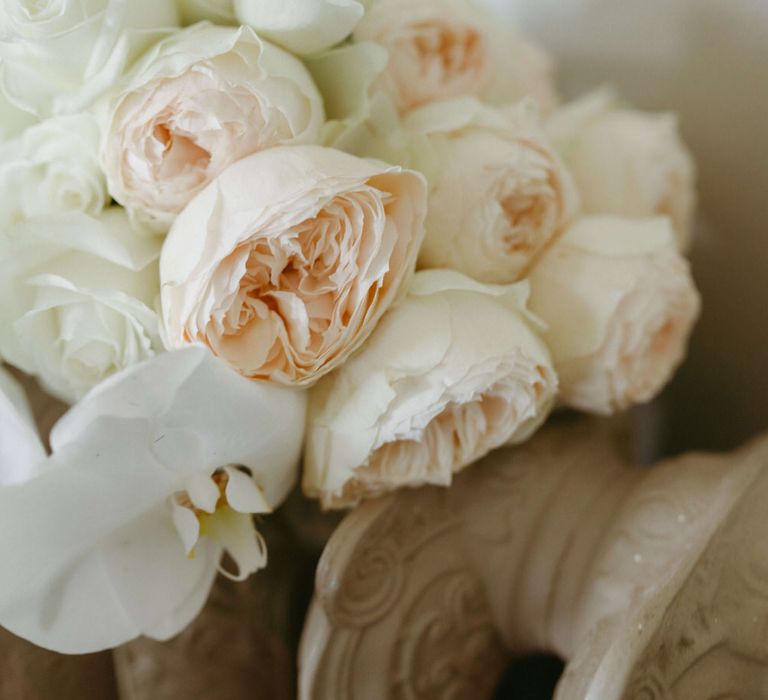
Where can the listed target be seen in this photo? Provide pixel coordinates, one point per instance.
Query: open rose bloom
(454, 371)
(199, 101)
(619, 303)
(500, 194)
(243, 236)
(285, 263)
(626, 162)
(439, 49)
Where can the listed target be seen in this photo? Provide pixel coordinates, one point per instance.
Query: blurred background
(706, 61)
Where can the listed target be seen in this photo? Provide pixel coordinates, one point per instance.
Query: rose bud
(449, 374)
(439, 49)
(626, 162)
(500, 194)
(197, 102)
(284, 264)
(620, 303)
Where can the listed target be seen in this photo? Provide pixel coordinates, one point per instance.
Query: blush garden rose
(626, 162)
(499, 193)
(197, 102)
(452, 372)
(439, 49)
(284, 264)
(619, 303)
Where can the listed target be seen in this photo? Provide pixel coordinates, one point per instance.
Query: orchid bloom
(152, 477)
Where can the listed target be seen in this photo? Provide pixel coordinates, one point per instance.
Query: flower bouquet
(240, 237)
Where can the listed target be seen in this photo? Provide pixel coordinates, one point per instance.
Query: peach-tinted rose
(626, 162)
(439, 49)
(499, 193)
(197, 102)
(619, 303)
(452, 372)
(285, 263)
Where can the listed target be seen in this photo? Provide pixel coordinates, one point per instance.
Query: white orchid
(152, 476)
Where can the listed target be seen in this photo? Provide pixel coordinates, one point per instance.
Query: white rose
(620, 303)
(500, 194)
(53, 167)
(626, 162)
(439, 49)
(76, 298)
(60, 55)
(285, 263)
(218, 11)
(451, 373)
(198, 101)
(301, 26)
(20, 447)
(152, 477)
(13, 120)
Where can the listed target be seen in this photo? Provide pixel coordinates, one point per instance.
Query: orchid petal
(243, 494)
(91, 550)
(187, 526)
(234, 531)
(203, 492)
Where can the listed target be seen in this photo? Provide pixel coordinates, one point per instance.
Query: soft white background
(708, 61)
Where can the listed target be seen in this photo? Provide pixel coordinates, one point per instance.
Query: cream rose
(500, 194)
(620, 303)
(59, 56)
(198, 101)
(285, 263)
(76, 298)
(218, 11)
(53, 167)
(301, 26)
(626, 162)
(449, 374)
(439, 49)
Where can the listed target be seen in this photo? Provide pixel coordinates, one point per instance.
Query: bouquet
(242, 237)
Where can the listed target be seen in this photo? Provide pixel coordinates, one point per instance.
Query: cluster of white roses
(211, 214)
